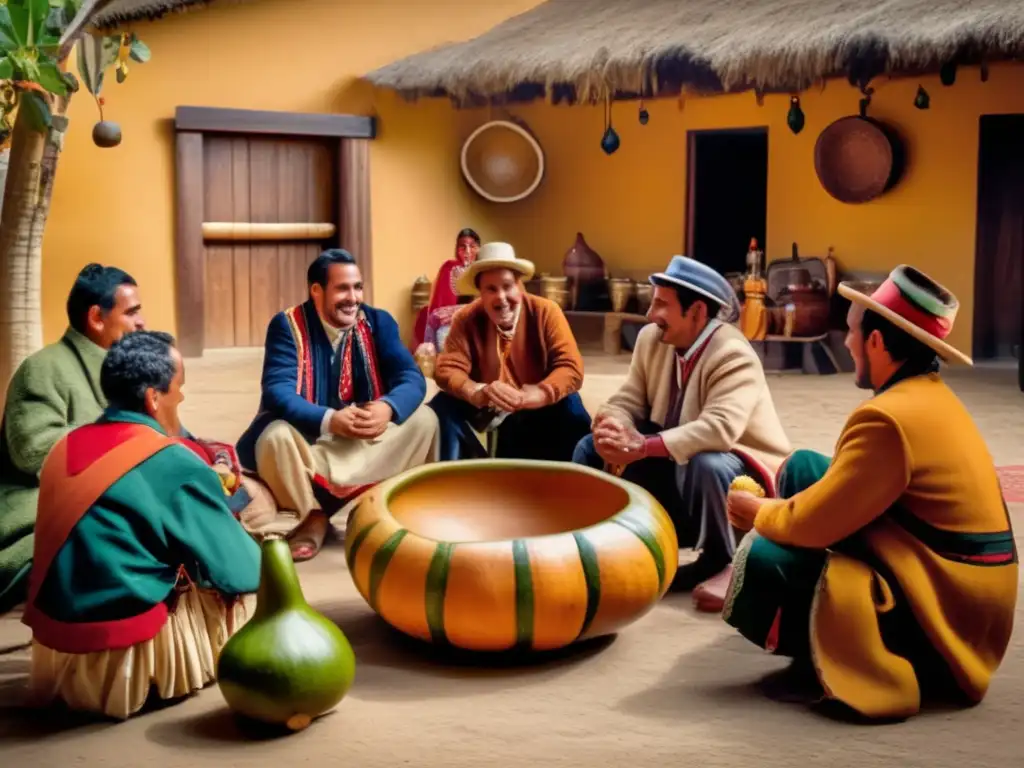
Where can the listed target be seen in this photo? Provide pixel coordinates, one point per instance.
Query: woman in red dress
(433, 320)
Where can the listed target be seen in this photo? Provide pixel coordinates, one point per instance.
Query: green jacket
(53, 391)
(119, 565)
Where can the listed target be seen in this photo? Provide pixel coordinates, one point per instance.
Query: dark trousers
(693, 494)
(545, 434)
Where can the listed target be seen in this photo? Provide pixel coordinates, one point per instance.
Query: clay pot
(620, 289)
(586, 272)
(420, 293)
(644, 295)
(810, 311)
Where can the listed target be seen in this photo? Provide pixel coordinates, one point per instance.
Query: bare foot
(307, 539)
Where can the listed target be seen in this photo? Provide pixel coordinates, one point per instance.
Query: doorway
(727, 195)
(999, 252)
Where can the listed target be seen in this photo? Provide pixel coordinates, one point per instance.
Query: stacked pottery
(586, 273)
(420, 293)
(620, 289)
(644, 295)
(555, 288)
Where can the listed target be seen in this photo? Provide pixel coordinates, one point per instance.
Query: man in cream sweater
(694, 413)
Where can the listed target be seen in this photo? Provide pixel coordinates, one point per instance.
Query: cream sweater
(727, 405)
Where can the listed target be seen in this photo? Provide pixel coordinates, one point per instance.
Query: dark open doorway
(727, 195)
(999, 254)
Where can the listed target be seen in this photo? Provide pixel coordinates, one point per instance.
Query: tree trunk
(26, 206)
(5, 155)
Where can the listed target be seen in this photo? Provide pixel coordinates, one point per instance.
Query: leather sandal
(307, 539)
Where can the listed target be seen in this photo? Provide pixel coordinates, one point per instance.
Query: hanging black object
(610, 141)
(795, 118)
(922, 100)
(984, 72)
(644, 114)
(947, 74)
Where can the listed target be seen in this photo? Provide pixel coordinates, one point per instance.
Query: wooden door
(261, 180)
(999, 258)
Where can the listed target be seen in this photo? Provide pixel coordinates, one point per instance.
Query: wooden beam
(354, 207)
(250, 121)
(190, 264)
(243, 230)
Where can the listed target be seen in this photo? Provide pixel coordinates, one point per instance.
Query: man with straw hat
(694, 413)
(888, 572)
(510, 361)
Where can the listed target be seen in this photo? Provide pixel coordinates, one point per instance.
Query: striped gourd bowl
(499, 554)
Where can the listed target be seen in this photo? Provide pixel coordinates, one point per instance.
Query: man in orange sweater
(511, 364)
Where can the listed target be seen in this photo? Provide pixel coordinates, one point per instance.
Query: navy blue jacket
(404, 385)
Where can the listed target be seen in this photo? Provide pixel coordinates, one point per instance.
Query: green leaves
(139, 50)
(37, 110)
(95, 54)
(28, 21)
(6, 69)
(50, 77)
(9, 39)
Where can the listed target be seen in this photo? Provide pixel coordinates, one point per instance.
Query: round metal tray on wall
(502, 161)
(858, 159)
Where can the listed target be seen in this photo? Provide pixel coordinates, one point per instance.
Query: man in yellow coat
(891, 568)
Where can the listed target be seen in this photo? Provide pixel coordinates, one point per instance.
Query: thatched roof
(589, 48)
(118, 12)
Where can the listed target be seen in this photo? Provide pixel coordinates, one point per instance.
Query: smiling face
(338, 302)
(466, 250)
(501, 291)
(104, 327)
(679, 327)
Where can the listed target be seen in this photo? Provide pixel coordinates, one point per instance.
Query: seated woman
(139, 564)
(434, 320)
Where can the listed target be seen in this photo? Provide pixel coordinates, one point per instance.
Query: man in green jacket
(138, 566)
(53, 391)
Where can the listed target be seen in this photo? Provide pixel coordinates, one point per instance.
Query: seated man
(695, 412)
(510, 363)
(138, 561)
(53, 391)
(341, 404)
(893, 565)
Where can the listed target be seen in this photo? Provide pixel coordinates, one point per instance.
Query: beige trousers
(179, 661)
(287, 463)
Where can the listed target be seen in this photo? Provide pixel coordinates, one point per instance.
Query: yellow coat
(913, 475)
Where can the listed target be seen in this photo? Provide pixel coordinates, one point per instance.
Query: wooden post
(191, 263)
(354, 207)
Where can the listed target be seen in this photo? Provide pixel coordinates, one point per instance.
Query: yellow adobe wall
(117, 206)
(631, 205)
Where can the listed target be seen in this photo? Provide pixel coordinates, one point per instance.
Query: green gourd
(289, 664)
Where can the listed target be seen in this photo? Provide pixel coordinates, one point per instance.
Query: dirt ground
(675, 688)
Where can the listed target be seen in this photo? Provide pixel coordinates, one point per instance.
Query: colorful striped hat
(915, 303)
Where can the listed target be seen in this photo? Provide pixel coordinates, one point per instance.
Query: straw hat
(915, 303)
(502, 161)
(492, 256)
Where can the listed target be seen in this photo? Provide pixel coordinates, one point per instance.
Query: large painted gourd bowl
(509, 555)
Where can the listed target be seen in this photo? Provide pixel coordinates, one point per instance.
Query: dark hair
(467, 232)
(138, 361)
(95, 286)
(317, 272)
(901, 346)
(688, 297)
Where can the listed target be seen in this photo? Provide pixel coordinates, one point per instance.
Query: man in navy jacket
(342, 404)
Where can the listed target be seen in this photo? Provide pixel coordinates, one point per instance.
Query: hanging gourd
(610, 141)
(644, 115)
(947, 73)
(922, 100)
(288, 664)
(795, 118)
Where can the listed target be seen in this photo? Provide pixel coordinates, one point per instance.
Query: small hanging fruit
(922, 100)
(795, 117)
(289, 664)
(106, 134)
(610, 141)
(644, 114)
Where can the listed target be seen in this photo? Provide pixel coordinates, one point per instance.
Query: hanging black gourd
(922, 100)
(644, 114)
(947, 73)
(610, 141)
(795, 118)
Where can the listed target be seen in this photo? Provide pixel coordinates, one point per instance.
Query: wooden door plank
(263, 274)
(190, 265)
(219, 319)
(354, 206)
(240, 252)
(291, 206)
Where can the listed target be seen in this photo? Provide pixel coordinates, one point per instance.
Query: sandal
(308, 538)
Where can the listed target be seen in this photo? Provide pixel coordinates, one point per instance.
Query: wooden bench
(612, 337)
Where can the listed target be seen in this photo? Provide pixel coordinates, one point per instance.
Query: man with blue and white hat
(694, 413)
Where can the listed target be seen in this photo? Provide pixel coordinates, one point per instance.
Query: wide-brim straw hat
(915, 303)
(502, 161)
(492, 256)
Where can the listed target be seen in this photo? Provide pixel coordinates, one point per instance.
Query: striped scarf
(351, 362)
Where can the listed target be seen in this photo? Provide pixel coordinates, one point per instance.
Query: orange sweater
(543, 353)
